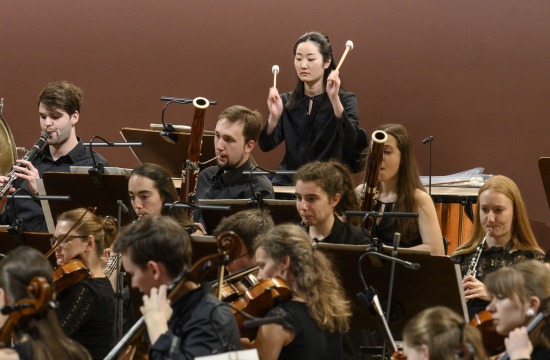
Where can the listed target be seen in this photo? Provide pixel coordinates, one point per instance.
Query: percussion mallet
(349, 46)
(275, 71)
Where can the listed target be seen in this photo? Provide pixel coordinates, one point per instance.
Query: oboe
(29, 157)
(472, 269)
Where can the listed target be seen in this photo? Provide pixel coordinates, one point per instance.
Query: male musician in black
(59, 111)
(236, 135)
(156, 251)
(247, 224)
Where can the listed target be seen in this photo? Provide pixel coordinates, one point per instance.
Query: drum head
(8, 154)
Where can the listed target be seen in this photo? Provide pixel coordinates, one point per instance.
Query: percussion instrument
(349, 46)
(454, 207)
(275, 71)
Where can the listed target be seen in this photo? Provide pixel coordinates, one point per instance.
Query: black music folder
(438, 282)
(171, 156)
(39, 241)
(85, 192)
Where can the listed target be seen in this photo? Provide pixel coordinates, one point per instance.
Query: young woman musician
(317, 119)
(324, 192)
(439, 333)
(150, 186)
(400, 190)
(501, 236)
(86, 308)
(36, 335)
(318, 312)
(520, 292)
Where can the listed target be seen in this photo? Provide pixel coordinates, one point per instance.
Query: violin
(40, 297)
(493, 342)
(258, 300)
(235, 285)
(134, 345)
(70, 273)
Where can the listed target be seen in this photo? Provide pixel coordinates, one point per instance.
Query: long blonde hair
(522, 234)
(314, 275)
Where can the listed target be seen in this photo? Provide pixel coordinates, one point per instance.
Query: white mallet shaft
(275, 71)
(349, 46)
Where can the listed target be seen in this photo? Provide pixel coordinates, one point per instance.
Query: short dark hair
(61, 95)
(156, 238)
(248, 224)
(251, 120)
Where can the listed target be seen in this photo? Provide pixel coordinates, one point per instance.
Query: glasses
(55, 239)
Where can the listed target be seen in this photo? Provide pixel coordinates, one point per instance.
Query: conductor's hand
(4, 199)
(29, 173)
(473, 288)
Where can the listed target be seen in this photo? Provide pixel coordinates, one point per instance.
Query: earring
(530, 312)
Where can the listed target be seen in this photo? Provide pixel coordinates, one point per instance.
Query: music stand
(544, 168)
(39, 241)
(438, 282)
(85, 193)
(212, 218)
(283, 211)
(170, 156)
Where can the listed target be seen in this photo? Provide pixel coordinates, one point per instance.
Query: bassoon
(369, 194)
(190, 172)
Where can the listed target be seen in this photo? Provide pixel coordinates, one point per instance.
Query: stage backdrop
(473, 74)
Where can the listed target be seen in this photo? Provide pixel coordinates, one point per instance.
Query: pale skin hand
(333, 86)
(157, 311)
(473, 288)
(29, 173)
(275, 106)
(518, 345)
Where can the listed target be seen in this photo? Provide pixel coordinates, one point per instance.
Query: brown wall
(474, 74)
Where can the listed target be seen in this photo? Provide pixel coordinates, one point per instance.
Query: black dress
(387, 227)
(310, 342)
(344, 233)
(491, 260)
(86, 314)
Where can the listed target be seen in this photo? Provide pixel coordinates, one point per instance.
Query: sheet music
(251, 354)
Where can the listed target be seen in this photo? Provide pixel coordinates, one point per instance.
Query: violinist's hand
(156, 311)
(29, 173)
(473, 288)
(518, 345)
(4, 199)
(246, 343)
(275, 106)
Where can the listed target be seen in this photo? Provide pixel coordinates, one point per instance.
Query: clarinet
(36, 148)
(472, 269)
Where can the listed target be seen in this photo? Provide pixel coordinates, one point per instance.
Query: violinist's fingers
(162, 292)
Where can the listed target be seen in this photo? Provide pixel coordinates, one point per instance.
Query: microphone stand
(119, 280)
(366, 295)
(429, 140)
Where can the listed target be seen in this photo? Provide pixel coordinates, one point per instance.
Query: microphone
(97, 171)
(429, 140)
(406, 264)
(253, 323)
